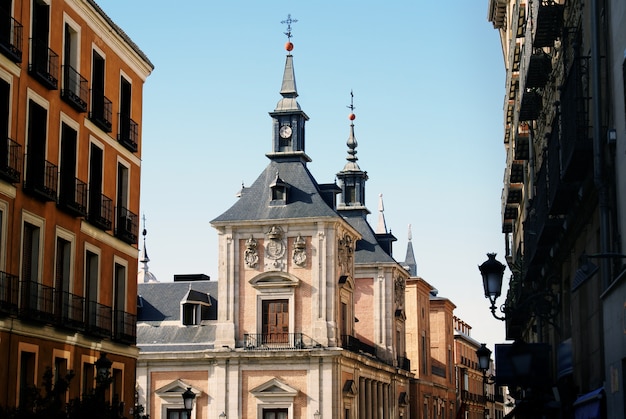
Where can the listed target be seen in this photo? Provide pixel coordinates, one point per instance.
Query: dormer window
(195, 307)
(278, 190)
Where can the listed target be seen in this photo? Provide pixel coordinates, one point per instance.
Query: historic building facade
(70, 121)
(563, 205)
(310, 309)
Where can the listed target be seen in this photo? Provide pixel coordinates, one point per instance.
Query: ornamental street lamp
(188, 397)
(492, 272)
(223, 415)
(317, 415)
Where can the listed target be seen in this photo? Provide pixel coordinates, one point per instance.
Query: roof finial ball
(289, 21)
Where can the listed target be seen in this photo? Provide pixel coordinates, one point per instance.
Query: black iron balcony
(125, 327)
(10, 161)
(522, 145)
(549, 23)
(101, 112)
(128, 132)
(576, 142)
(73, 197)
(74, 89)
(44, 64)
(9, 293)
(42, 184)
(275, 341)
(126, 226)
(355, 345)
(530, 106)
(70, 310)
(404, 363)
(539, 69)
(99, 319)
(100, 211)
(10, 37)
(561, 194)
(36, 301)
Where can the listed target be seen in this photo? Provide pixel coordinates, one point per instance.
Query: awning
(589, 406)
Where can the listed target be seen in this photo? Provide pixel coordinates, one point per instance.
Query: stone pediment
(173, 390)
(274, 280)
(275, 389)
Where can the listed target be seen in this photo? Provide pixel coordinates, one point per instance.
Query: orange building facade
(70, 157)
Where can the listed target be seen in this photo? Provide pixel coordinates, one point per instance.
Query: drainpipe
(598, 149)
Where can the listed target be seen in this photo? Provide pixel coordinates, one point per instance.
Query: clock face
(285, 131)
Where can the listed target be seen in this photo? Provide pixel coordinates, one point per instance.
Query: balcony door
(275, 321)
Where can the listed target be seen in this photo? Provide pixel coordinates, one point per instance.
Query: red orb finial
(352, 117)
(288, 46)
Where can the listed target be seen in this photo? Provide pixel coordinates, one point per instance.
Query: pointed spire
(382, 225)
(144, 274)
(352, 144)
(288, 89)
(409, 261)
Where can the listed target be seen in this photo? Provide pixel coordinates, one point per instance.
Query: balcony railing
(44, 64)
(126, 226)
(277, 341)
(99, 319)
(128, 132)
(70, 310)
(11, 37)
(74, 90)
(42, 184)
(404, 363)
(355, 345)
(125, 327)
(10, 161)
(101, 110)
(73, 197)
(100, 211)
(9, 293)
(36, 301)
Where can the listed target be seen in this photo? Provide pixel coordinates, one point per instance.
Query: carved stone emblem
(345, 255)
(251, 257)
(399, 291)
(299, 251)
(275, 248)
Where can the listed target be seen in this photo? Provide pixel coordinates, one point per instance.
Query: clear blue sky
(428, 82)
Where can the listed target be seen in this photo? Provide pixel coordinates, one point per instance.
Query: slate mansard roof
(159, 326)
(304, 198)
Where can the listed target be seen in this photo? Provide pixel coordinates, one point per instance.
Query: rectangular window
(60, 370)
(117, 377)
(424, 352)
(177, 414)
(190, 314)
(89, 377)
(36, 145)
(30, 253)
(27, 377)
(100, 105)
(128, 131)
(10, 151)
(275, 321)
(72, 192)
(99, 205)
(344, 319)
(62, 276)
(275, 413)
(350, 194)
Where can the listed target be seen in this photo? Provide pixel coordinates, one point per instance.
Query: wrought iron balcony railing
(99, 319)
(36, 301)
(126, 226)
(9, 293)
(42, 183)
(277, 341)
(73, 197)
(10, 37)
(128, 132)
(125, 327)
(355, 345)
(44, 64)
(74, 89)
(101, 110)
(10, 161)
(100, 211)
(70, 310)
(404, 363)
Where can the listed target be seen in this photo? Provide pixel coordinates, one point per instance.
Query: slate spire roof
(144, 274)
(409, 261)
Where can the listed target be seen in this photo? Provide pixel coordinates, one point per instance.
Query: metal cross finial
(289, 21)
(351, 105)
(143, 218)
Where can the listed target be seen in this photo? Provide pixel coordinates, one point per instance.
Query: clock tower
(288, 118)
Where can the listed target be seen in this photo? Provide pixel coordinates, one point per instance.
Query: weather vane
(289, 21)
(351, 105)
